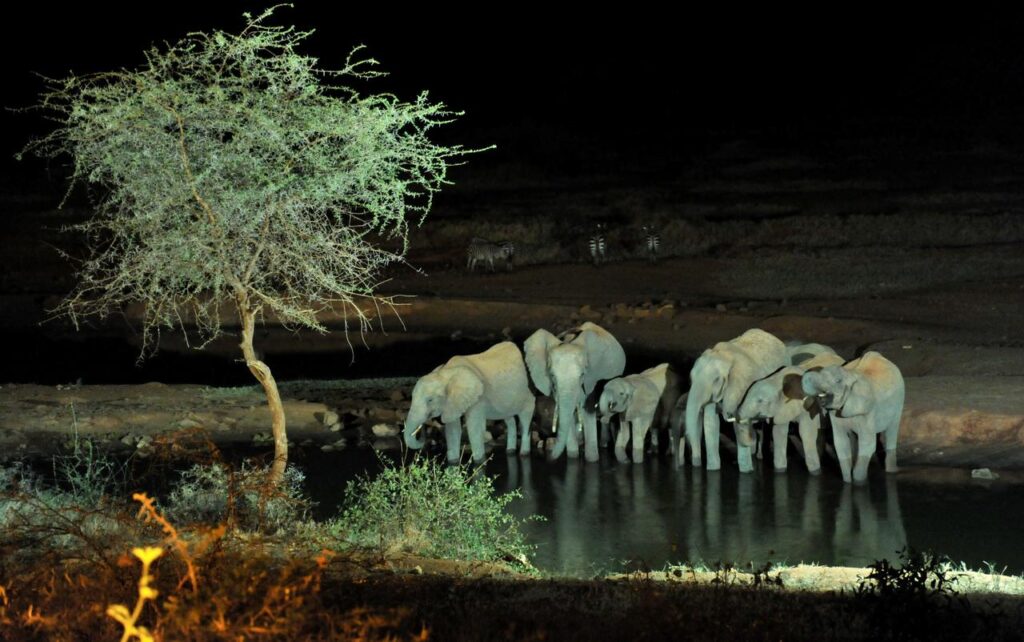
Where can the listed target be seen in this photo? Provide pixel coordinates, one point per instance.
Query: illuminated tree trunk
(266, 379)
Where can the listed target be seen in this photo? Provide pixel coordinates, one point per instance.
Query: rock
(506, 332)
(984, 473)
(396, 395)
(721, 307)
(665, 311)
(336, 427)
(385, 415)
(384, 430)
(386, 443)
(328, 418)
(338, 445)
(455, 336)
(129, 439)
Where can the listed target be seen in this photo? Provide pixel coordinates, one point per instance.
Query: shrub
(434, 510)
(215, 494)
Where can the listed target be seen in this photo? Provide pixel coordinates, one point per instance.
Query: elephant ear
(859, 400)
(605, 357)
(463, 390)
(535, 352)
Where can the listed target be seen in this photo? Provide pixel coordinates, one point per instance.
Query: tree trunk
(266, 379)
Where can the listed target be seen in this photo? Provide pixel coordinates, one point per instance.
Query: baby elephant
(638, 398)
(864, 397)
(780, 397)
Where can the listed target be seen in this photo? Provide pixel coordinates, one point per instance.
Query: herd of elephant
(751, 378)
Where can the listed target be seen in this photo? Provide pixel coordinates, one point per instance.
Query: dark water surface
(609, 516)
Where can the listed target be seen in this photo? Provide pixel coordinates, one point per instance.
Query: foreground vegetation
(219, 555)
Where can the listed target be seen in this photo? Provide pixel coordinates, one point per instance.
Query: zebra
(480, 249)
(652, 243)
(598, 245)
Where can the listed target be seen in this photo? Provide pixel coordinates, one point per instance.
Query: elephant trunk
(602, 406)
(565, 410)
(413, 421)
(699, 396)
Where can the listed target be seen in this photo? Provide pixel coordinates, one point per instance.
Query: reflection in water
(599, 516)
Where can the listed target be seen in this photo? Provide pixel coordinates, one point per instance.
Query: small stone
(336, 427)
(386, 443)
(129, 439)
(455, 336)
(189, 423)
(721, 307)
(330, 418)
(984, 473)
(384, 430)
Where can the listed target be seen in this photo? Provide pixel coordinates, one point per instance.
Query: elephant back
(501, 363)
(883, 374)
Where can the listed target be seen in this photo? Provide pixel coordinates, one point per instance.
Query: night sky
(631, 81)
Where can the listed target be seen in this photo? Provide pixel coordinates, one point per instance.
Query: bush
(434, 510)
(215, 494)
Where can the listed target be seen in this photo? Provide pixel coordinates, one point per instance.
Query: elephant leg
(808, 429)
(476, 424)
(758, 443)
(525, 417)
(745, 458)
(640, 428)
(620, 441)
(453, 440)
(711, 438)
(510, 435)
(841, 438)
(867, 442)
(889, 438)
(590, 450)
(780, 432)
(606, 431)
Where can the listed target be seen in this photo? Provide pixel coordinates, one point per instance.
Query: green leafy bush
(431, 509)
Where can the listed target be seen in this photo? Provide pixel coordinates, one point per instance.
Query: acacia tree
(229, 168)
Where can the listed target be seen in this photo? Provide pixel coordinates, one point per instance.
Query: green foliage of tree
(230, 168)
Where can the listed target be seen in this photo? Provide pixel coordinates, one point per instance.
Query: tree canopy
(229, 166)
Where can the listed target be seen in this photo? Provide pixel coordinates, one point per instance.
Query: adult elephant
(718, 380)
(491, 385)
(863, 397)
(570, 369)
(780, 398)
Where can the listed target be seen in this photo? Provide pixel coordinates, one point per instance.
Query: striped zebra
(652, 243)
(598, 245)
(483, 250)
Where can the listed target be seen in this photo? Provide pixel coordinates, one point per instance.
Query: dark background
(628, 83)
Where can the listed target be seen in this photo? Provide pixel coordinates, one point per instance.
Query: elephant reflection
(784, 519)
(867, 530)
